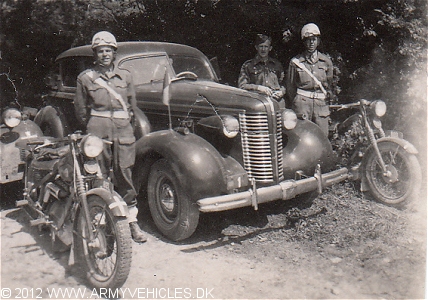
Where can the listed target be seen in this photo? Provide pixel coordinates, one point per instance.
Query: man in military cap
(309, 79)
(105, 97)
(263, 73)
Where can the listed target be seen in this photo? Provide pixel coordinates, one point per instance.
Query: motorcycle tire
(404, 178)
(107, 264)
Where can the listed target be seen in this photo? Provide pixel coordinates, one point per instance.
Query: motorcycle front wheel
(107, 259)
(402, 180)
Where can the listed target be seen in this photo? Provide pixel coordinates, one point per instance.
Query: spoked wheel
(106, 259)
(402, 179)
(172, 210)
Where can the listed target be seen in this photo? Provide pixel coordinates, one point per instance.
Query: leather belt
(312, 95)
(116, 114)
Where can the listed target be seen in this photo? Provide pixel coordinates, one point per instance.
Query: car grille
(257, 147)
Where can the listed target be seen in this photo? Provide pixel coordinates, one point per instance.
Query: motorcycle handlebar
(350, 105)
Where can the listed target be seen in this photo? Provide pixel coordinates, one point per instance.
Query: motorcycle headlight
(289, 119)
(92, 167)
(230, 126)
(377, 123)
(12, 117)
(379, 107)
(92, 145)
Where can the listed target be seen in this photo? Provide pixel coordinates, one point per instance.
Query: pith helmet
(104, 38)
(310, 30)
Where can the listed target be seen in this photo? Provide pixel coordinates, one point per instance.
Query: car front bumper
(285, 190)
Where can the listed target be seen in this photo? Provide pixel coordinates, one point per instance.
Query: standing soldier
(263, 73)
(309, 79)
(105, 97)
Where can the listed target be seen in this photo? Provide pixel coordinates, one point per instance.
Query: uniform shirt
(90, 95)
(321, 67)
(255, 72)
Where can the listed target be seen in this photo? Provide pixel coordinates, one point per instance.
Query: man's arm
(244, 80)
(80, 102)
(290, 84)
(131, 93)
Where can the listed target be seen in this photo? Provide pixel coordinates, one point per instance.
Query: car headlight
(92, 145)
(230, 126)
(379, 107)
(12, 117)
(289, 119)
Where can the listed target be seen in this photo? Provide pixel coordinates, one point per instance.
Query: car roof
(134, 47)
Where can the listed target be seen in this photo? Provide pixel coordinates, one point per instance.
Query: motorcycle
(385, 163)
(66, 193)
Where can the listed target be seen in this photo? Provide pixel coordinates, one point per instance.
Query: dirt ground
(341, 245)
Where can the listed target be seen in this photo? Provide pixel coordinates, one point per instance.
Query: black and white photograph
(213, 149)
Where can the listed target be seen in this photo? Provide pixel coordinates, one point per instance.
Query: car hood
(221, 95)
(191, 94)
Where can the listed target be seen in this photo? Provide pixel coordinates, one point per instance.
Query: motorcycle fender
(400, 142)
(201, 169)
(116, 204)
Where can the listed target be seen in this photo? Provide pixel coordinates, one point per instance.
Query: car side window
(71, 67)
(146, 69)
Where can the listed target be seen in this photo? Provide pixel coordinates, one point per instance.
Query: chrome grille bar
(257, 149)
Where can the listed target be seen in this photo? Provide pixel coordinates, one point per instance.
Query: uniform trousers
(119, 156)
(315, 110)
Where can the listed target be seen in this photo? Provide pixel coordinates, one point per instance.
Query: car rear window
(71, 67)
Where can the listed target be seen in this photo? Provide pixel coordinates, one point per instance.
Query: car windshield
(146, 69)
(149, 69)
(200, 67)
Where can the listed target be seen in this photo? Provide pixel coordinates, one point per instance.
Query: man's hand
(265, 90)
(278, 94)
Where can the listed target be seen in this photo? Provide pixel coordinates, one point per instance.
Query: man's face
(104, 55)
(263, 49)
(311, 43)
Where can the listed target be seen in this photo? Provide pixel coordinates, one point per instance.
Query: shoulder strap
(302, 66)
(104, 84)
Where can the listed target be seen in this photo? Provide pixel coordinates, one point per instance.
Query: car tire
(172, 210)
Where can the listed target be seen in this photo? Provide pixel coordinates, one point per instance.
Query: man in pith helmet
(105, 98)
(309, 79)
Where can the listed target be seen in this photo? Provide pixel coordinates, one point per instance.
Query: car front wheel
(173, 212)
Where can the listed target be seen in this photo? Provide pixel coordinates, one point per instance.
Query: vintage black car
(15, 126)
(212, 147)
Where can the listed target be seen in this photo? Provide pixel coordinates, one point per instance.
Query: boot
(137, 235)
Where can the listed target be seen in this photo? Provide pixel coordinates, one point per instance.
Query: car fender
(140, 123)
(116, 204)
(201, 169)
(306, 147)
(51, 119)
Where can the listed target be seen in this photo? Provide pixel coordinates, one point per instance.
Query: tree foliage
(378, 46)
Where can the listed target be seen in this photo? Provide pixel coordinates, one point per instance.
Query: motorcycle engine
(57, 210)
(66, 168)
